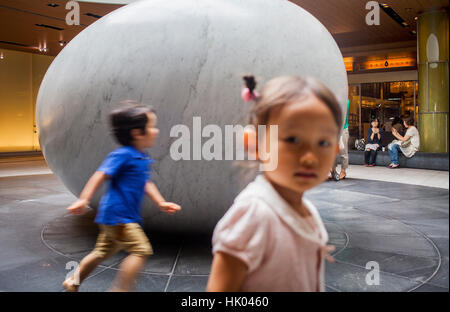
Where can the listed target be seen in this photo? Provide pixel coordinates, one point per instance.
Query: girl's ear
(251, 142)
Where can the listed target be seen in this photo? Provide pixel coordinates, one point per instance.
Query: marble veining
(186, 58)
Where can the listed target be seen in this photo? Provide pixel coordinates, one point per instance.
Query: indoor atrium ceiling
(345, 19)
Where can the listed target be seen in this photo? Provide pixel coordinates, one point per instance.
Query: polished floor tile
(402, 227)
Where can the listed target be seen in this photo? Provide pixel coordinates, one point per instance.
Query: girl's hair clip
(248, 94)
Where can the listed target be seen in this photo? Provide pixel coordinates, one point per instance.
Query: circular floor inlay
(390, 224)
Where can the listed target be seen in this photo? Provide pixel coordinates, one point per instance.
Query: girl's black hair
(130, 115)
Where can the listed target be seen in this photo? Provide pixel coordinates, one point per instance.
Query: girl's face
(307, 144)
(375, 124)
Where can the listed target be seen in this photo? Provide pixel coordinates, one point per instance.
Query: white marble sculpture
(186, 58)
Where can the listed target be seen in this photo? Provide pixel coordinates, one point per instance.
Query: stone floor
(403, 227)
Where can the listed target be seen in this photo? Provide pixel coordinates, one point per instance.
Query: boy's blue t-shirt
(128, 170)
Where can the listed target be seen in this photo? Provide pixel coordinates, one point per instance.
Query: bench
(421, 160)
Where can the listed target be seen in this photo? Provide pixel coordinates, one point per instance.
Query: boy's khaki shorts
(128, 236)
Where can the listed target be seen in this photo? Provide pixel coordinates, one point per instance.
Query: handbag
(405, 143)
(398, 142)
(360, 144)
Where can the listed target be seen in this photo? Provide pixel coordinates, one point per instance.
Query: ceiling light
(53, 5)
(93, 15)
(415, 18)
(62, 43)
(392, 14)
(1, 56)
(49, 26)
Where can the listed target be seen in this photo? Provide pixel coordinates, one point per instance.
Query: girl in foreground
(272, 238)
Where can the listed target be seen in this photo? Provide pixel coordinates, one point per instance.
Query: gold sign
(390, 63)
(348, 61)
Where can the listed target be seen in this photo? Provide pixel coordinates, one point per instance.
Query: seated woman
(374, 134)
(408, 144)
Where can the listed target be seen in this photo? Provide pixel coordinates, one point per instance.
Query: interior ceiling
(345, 19)
(18, 19)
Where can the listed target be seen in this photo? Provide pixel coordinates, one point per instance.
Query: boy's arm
(152, 191)
(91, 186)
(227, 273)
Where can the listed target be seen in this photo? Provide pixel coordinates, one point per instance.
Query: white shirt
(282, 250)
(412, 148)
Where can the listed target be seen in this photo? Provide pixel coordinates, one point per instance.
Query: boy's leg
(129, 269)
(87, 265)
(104, 248)
(135, 242)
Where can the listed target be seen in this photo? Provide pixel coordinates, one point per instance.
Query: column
(432, 55)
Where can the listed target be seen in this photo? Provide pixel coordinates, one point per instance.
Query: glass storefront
(383, 100)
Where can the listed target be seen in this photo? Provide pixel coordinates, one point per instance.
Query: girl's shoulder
(252, 207)
(250, 210)
(412, 131)
(255, 196)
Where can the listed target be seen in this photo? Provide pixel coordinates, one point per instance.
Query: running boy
(127, 170)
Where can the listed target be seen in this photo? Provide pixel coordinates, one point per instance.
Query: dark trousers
(370, 157)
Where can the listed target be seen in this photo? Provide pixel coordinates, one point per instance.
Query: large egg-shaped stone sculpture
(186, 59)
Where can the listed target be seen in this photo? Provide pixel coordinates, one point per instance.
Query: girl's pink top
(282, 250)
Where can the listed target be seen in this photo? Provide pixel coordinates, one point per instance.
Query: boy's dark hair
(129, 115)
